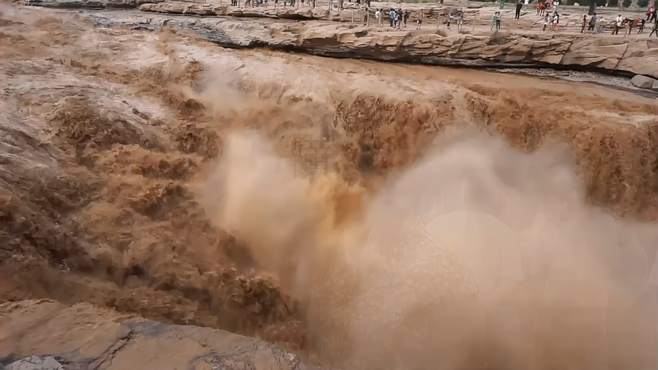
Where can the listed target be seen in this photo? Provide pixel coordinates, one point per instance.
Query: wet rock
(643, 82)
(35, 363)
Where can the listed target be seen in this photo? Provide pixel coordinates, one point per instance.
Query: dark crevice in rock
(110, 353)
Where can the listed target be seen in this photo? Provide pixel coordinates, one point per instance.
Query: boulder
(643, 82)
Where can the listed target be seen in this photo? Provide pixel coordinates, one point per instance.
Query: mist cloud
(476, 257)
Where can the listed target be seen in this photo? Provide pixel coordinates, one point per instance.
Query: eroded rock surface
(563, 50)
(83, 336)
(181, 7)
(93, 4)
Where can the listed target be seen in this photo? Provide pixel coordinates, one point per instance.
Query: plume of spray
(476, 257)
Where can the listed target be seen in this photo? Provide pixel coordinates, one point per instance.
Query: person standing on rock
(641, 28)
(460, 20)
(555, 24)
(391, 17)
(378, 17)
(519, 6)
(655, 27)
(582, 27)
(592, 23)
(631, 24)
(419, 23)
(618, 23)
(495, 21)
(406, 18)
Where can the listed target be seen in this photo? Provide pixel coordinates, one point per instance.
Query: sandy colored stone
(643, 82)
(92, 337)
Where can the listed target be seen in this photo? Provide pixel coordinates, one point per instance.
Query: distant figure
(419, 23)
(555, 25)
(545, 22)
(495, 21)
(378, 17)
(618, 23)
(599, 24)
(405, 18)
(519, 6)
(655, 27)
(582, 27)
(391, 17)
(641, 29)
(460, 20)
(592, 23)
(631, 24)
(502, 4)
(654, 15)
(649, 12)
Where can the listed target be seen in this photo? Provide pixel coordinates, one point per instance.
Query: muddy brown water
(368, 215)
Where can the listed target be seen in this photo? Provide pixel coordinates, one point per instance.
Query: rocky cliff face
(85, 337)
(90, 4)
(562, 50)
(558, 50)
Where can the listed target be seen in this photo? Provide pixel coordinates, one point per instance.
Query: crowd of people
(595, 24)
(547, 10)
(397, 18)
